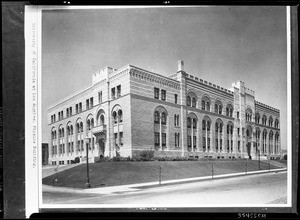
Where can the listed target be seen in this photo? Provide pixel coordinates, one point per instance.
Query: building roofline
(266, 106)
(70, 96)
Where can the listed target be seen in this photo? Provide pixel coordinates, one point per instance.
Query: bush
(77, 160)
(147, 155)
(285, 157)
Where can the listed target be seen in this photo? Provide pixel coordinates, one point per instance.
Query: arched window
(102, 122)
(77, 128)
(208, 106)
(92, 122)
(264, 120)
(120, 113)
(156, 117)
(189, 122)
(257, 118)
(160, 130)
(218, 107)
(88, 124)
(188, 101)
(81, 126)
(115, 117)
(276, 123)
(194, 102)
(206, 134)
(205, 103)
(163, 118)
(229, 110)
(194, 123)
(248, 115)
(270, 121)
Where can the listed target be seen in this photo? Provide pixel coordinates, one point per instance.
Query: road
(252, 189)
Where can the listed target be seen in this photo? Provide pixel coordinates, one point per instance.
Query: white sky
(217, 44)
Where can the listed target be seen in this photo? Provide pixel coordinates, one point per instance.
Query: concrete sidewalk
(139, 186)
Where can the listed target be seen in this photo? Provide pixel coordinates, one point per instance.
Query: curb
(138, 186)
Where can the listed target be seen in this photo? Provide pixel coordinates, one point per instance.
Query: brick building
(130, 109)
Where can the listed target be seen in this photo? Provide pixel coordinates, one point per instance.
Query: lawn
(122, 173)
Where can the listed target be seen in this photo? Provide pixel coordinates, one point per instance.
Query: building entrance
(101, 143)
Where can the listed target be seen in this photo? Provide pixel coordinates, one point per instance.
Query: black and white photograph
(158, 107)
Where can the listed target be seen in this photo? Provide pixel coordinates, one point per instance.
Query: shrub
(77, 160)
(147, 155)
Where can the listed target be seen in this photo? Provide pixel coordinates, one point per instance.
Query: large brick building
(130, 109)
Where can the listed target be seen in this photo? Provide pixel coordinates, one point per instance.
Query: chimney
(180, 65)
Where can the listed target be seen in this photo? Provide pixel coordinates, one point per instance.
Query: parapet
(102, 74)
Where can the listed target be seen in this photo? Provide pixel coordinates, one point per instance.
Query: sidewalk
(139, 186)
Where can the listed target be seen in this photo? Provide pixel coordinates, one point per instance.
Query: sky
(217, 44)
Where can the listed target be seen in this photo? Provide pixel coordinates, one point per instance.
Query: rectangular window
(238, 114)
(203, 142)
(80, 107)
(100, 96)
(220, 144)
(176, 120)
(76, 108)
(163, 137)
(70, 111)
(239, 146)
(62, 114)
(189, 141)
(217, 144)
(238, 131)
(91, 102)
(156, 139)
(116, 139)
(82, 145)
(176, 98)
(113, 93)
(121, 138)
(67, 112)
(156, 93)
(194, 141)
(87, 104)
(176, 139)
(118, 91)
(163, 95)
(208, 143)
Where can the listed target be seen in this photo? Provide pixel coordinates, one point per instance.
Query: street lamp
(87, 184)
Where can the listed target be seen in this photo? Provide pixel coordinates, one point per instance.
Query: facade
(127, 110)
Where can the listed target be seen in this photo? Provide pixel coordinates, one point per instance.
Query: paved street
(252, 189)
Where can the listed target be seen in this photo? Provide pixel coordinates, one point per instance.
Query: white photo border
(33, 117)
